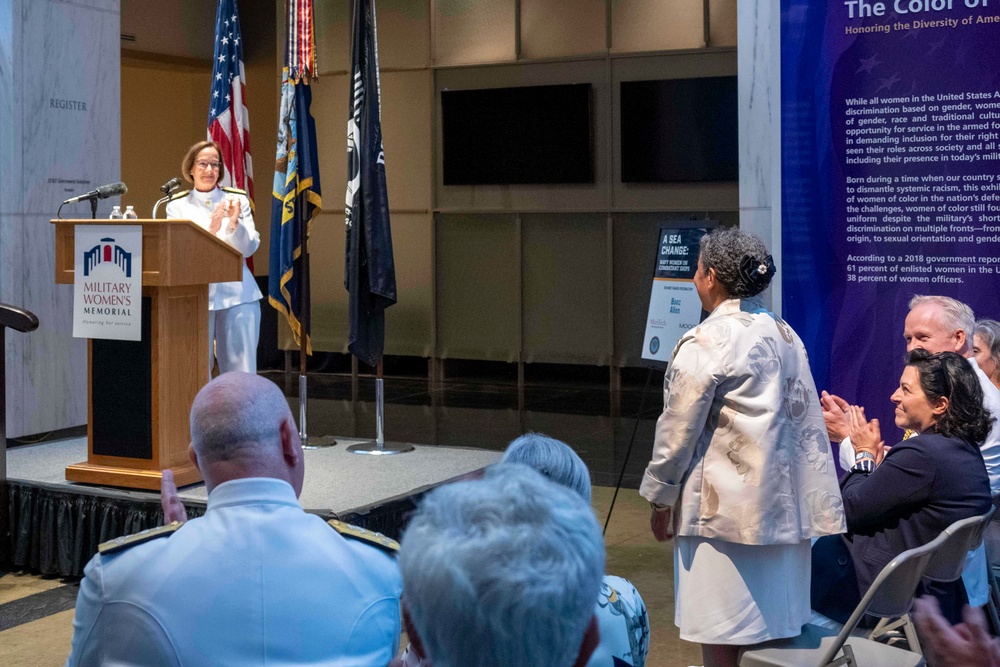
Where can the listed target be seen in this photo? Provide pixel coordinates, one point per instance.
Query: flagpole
(378, 446)
(320, 441)
(364, 146)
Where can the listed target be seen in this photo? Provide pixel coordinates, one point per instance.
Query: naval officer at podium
(234, 307)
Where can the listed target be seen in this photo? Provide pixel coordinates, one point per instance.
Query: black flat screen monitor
(531, 134)
(676, 130)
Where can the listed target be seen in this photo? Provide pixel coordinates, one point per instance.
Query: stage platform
(56, 525)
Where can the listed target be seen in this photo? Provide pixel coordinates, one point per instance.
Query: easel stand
(628, 452)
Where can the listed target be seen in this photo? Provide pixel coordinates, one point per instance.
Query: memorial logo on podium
(107, 290)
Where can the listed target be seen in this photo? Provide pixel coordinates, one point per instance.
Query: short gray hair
(237, 415)
(502, 571)
(955, 315)
(724, 249)
(553, 458)
(989, 331)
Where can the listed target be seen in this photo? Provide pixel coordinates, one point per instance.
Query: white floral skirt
(740, 594)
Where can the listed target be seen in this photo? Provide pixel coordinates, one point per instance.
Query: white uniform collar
(208, 199)
(252, 490)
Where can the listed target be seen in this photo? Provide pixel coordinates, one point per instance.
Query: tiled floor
(36, 613)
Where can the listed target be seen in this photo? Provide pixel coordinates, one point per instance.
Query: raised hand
(218, 215)
(835, 414)
(866, 436)
(232, 213)
(173, 508)
(967, 644)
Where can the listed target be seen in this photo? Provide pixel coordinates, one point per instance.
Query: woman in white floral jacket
(742, 471)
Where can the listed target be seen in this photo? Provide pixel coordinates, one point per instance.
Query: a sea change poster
(890, 130)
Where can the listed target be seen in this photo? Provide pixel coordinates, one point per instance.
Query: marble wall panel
(54, 390)
(759, 68)
(10, 179)
(64, 129)
(12, 292)
(9, 151)
(71, 101)
(110, 6)
(758, 83)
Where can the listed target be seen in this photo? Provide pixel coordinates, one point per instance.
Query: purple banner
(890, 177)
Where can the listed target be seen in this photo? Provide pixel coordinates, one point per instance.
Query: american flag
(228, 118)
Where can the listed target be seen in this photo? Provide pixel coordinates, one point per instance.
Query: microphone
(169, 186)
(103, 192)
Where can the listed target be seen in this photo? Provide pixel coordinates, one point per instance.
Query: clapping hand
(967, 644)
(866, 436)
(173, 508)
(226, 211)
(836, 415)
(232, 213)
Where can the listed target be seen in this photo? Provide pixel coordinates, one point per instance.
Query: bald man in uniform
(254, 581)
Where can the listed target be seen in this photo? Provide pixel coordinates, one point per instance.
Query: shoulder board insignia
(126, 541)
(235, 191)
(368, 536)
(178, 195)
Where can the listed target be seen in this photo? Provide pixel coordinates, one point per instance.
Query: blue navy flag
(296, 200)
(370, 272)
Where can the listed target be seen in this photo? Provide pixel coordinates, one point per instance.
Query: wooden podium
(139, 393)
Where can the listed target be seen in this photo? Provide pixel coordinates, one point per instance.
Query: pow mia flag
(370, 273)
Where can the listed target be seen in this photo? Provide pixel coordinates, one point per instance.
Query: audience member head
(939, 324)
(986, 348)
(553, 458)
(940, 393)
(502, 572)
(731, 263)
(241, 427)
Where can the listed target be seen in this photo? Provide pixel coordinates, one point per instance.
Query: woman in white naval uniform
(234, 307)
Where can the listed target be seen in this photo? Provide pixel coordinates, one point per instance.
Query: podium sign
(107, 282)
(674, 306)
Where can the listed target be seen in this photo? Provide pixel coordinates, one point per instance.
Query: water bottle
(130, 213)
(116, 213)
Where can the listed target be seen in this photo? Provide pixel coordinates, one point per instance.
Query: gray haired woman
(742, 470)
(986, 348)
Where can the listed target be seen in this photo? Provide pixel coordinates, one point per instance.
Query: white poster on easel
(107, 284)
(674, 306)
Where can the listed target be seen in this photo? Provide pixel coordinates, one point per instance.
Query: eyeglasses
(205, 166)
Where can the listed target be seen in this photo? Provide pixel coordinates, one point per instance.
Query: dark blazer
(923, 485)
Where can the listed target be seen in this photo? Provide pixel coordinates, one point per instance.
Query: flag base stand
(310, 441)
(318, 442)
(375, 449)
(378, 446)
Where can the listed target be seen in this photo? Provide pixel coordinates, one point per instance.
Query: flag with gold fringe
(296, 190)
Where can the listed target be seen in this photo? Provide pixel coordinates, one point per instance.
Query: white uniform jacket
(741, 449)
(198, 206)
(256, 581)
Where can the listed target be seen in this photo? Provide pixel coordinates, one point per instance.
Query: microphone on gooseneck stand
(170, 186)
(167, 188)
(103, 192)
